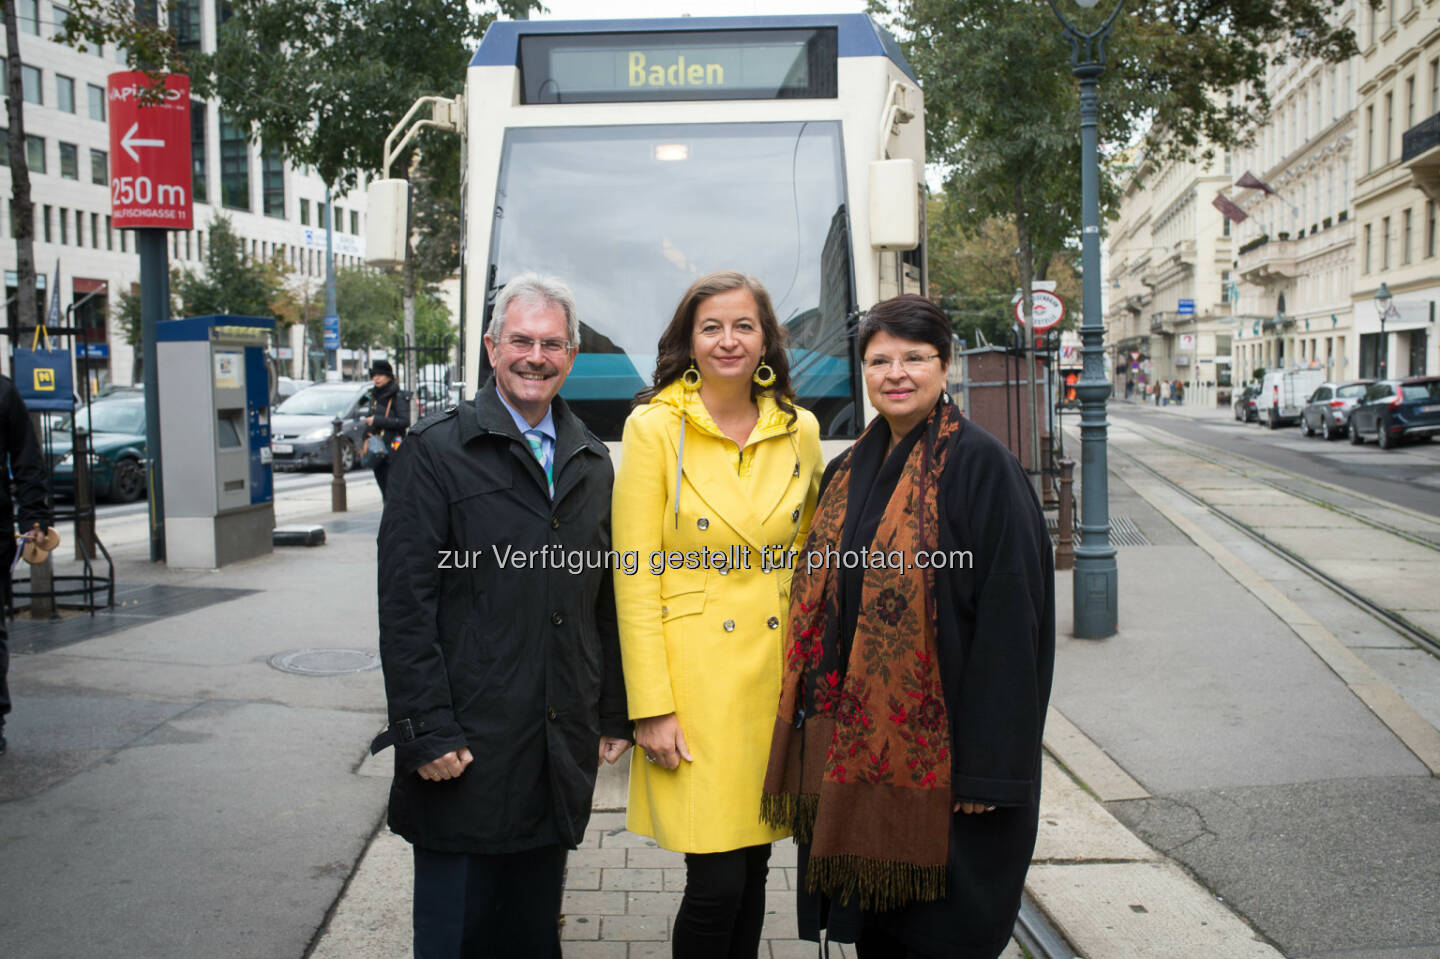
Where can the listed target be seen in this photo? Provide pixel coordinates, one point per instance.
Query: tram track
(1390, 618)
(1037, 936)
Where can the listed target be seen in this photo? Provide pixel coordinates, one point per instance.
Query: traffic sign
(1186, 308)
(149, 152)
(331, 324)
(1049, 310)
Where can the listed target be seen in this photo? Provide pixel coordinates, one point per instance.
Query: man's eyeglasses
(524, 344)
(910, 363)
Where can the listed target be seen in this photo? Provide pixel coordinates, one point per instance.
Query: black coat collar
(489, 416)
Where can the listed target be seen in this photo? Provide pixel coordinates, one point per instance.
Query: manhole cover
(325, 662)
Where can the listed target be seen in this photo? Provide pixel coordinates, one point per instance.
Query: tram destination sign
(679, 65)
(149, 152)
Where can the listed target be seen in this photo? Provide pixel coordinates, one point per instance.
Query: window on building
(1385, 243)
(35, 153)
(99, 167)
(64, 94)
(124, 243)
(96, 96)
(199, 166)
(1430, 228)
(273, 165)
(95, 230)
(64, 226)
(109, 233)
(1409, 102)
(234, 165)
(1405, 238)
(45, 224)
(185, 24)
(320, 219)
(1389, 124)
(355, 224)
(79, 228)
(30, 17)
(69, 161)
(339, 224)
(1365, 252)
(304, 212)
(30, 79)
(1369, 138)
(1435, 85)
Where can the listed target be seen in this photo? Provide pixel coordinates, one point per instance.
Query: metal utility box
(215, 438)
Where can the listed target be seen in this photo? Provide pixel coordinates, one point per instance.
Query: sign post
(150, 193)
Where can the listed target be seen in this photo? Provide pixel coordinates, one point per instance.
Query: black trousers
(382, 474)
(472, 906)
(724, 904)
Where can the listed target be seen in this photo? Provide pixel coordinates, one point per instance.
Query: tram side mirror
(894, 205)
(386, 219)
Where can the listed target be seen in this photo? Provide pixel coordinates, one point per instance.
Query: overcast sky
(613, 9)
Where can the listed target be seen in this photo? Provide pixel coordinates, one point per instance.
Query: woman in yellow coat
(718, 478)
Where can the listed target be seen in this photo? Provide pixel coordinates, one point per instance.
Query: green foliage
(127, 315)
(370, 307)
(1002, 111)
(325, 80)
(231, 282)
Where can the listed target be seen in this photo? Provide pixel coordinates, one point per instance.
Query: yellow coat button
(773, 622)
(702, 523)
(729, 625)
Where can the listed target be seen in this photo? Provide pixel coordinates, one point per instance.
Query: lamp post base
(1095, 596)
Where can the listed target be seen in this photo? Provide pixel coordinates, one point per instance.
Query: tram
(629, 157)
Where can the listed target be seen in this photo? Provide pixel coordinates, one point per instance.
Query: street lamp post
(1095, 593)
(1383, 299)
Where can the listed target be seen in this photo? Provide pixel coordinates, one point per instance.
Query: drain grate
(1123, 532)
(325, 662)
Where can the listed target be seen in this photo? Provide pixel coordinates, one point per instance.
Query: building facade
(1397, 186)
(276, 209)
(1170, 267)
(1295, 254)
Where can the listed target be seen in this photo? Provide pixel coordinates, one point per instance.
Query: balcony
(1420, 152)
(1267, 260)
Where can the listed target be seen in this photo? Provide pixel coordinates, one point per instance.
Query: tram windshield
(631, 216)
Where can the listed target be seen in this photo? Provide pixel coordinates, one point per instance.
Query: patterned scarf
(860, 757)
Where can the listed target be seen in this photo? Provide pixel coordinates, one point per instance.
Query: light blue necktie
(540, 448)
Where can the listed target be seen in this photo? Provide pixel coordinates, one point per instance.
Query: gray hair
(536, 288)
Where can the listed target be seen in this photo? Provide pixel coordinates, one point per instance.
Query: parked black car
(1246, 410)
(1394, 411)
(1328, 410)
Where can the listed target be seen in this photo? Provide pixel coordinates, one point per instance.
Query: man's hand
(369, 421)
(448, 766)
(662, 741)
(611, 748)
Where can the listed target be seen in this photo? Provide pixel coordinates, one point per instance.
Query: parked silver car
(1327, 412)
(300, 427)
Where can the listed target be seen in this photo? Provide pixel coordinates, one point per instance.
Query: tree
(231, 283)
(370, 306)
(1001, 106)
(22, 209)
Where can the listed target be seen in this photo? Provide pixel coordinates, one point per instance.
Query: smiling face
(529, 364)
(904, 379)
(726, 340)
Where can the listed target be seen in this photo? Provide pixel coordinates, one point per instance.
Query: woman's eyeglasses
(910, 363)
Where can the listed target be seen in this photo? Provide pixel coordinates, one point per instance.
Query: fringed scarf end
(879, 886)
(792, 812)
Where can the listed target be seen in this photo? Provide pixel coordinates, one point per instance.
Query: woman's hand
(662, 741)
(971, 808)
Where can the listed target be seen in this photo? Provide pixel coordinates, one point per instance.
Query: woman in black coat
(906, 753)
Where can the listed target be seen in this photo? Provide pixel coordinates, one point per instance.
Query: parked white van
(1284, 393)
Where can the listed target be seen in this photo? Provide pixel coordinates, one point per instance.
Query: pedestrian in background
(1164, 392)
(27, 470)
(509, 667)
(389, 417)
(1177, 392)
(717, 458)
(906, 749)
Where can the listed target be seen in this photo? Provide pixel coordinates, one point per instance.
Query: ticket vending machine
(215, 438)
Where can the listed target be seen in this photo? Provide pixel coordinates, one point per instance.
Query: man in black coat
(498, 640)
(27, 469)
(389, 415)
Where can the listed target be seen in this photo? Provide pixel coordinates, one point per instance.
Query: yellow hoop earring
(690, 379)
(764, 375)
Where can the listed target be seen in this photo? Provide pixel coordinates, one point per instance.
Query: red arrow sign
(149, 153)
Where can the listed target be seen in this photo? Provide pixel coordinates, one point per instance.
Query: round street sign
(1049, 310)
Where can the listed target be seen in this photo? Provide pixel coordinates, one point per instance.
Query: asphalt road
(1408, 476)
